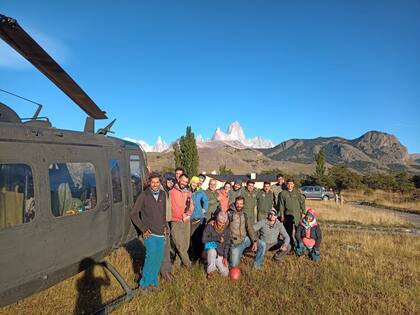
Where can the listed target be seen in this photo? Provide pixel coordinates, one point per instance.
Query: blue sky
(284, 70)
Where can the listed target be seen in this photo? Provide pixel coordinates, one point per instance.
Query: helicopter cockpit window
(114, 167)
(73, 188)
(136, 180)
(17, 202)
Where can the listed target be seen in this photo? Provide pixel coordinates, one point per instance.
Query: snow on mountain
(234, 137)
(235, 133)
(160, 145)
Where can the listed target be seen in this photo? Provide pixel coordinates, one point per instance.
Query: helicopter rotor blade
(14, 35)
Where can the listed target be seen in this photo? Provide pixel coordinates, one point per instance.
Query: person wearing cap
(217, 241)
(213, 198)
(201, 206)
(265, 201)
(243, 235)
(309, 236)
(224, 196)
(250, 197)
(167, 183)
(236, 191)
(291, 208)
(272, 237)
(202, 178)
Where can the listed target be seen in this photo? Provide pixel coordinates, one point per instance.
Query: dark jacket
(213, 202)
(315, 234)
(149, 213)
(240, 226)
(265, 201)
(292, 203)
(223, 239)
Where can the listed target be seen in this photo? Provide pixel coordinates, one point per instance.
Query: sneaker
(210, 275)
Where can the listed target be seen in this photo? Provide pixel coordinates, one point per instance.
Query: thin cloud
(10, 59)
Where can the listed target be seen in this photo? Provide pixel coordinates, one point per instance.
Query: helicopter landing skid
(129, 292)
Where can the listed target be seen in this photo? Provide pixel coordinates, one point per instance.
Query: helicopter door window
(73, 188)
(17, 202)
(114, 166)
(136, 180)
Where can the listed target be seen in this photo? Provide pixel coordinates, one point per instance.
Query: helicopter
(64, 195)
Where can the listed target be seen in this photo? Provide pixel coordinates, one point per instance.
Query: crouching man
(273, 237)
(243, 235)
(217, 240)
(309, 236)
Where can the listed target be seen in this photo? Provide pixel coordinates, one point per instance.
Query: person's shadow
(89, 297)
(136, 250)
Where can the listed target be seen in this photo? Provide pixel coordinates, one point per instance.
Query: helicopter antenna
(105, 130)
(35, 116)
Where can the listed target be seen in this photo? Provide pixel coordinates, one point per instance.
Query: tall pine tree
(186, 153)
(320, 168)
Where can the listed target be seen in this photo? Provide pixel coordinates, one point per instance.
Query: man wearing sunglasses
(272, 237)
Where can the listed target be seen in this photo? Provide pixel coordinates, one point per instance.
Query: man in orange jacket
(182, 208)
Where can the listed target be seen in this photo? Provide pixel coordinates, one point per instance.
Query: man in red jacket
(182, 208)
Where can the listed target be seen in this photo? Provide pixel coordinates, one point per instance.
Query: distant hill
(373, 151)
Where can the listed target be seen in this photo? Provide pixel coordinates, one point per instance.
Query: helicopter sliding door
(79, 203)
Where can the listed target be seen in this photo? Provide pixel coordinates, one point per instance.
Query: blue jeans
(263, 247)
(237, 250)
(314, 254)
(154, 255)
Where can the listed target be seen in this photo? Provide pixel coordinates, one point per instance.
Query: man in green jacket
(250, 197)
(236, 191)
(265, 200)
(213, 197)
(292, 208)
(277, 188)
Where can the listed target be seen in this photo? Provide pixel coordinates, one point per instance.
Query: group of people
(180, 222)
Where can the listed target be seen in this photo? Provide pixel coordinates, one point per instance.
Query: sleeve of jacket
(205, 202)
(258, 226)
(251, 233)
(283, 233)
(318, 237)
(302, 204)
(299, 233)
(228, 241)
(135, 213)
(281, 204)
(191, 204)
(207, 234)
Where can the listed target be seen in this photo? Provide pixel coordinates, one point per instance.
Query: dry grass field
(349, 214)
(358, 273)
(403, 202)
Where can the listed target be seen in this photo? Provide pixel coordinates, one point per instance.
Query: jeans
(314, 254)
(263, 247)
(154, 255)
(237, 250)
(215, 262)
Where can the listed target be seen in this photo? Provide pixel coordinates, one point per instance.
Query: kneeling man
(273, 237)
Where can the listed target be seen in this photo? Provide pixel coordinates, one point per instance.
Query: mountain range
(234, 137)
(373, 151)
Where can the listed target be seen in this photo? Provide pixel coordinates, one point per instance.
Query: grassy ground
(403, 202)
(358, 273)
(348, 214)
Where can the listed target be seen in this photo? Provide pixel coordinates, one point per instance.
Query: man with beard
(277, 188)
(213, 198)
(182, 207)
(236, 191)
(265, 199)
